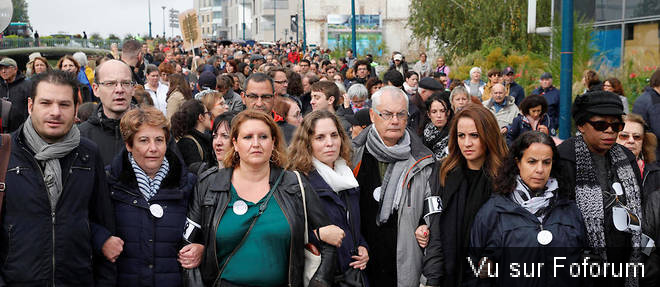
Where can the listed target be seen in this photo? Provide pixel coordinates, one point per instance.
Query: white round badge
(240, 207)
(544, 237)
(377, 194)
(156, 210)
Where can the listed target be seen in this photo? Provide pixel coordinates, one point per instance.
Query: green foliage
(129, 36)
(20, 13)
(462, 27)
(113, 37)
(95, 36)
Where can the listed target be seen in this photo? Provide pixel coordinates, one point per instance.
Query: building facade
(239, 12)
(212, 16)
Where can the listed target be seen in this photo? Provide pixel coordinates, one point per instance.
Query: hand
(543, 129)
(503, 130)
(112, 248)
(422, 235)
(331, 234)
(191, 255)
(361, 259)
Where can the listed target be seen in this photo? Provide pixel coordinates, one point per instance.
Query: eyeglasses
(262, 97)
(388, 116)
(625, 137)
(112, 84)
(602, 126)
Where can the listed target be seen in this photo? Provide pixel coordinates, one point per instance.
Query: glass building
(625, 30)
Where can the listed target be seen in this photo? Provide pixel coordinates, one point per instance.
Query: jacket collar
(121, 172)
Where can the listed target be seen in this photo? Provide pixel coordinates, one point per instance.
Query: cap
(207, 80)
(361, 118)
(255, 57)
(509, 70)
(8, 62)
(430, 84)
(398, 57)
(597, 103)
(546, 75)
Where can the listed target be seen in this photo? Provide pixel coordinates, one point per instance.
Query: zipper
(213, 245)
(17, 169)
(10, 228)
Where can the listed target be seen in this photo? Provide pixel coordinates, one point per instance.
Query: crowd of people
(272, 166)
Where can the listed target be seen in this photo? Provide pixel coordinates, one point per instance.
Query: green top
(263, 260)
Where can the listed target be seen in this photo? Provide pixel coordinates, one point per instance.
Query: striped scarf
(149, 187)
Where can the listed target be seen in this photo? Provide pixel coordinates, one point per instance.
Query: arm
(102, 224)
(317, 218)
(433, 259)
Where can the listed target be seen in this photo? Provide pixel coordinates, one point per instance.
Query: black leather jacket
(211, 197)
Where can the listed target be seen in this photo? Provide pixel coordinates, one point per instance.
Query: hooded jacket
(105, 133)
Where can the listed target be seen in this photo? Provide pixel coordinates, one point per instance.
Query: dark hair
(394, 77)
(410, 74)
(56, 77)
(295, 87)
(143, 97)
(505, 182)
(131, 48)
(272, 72)
(617, 87)
(85, 110)
(442, 98)
(306, 61)
(259, 78)
(371, 83)
(532, 101)
(225, 117)
(655, 79)
(329, 89)
(178, 83)
(150, 69)
(185, 119)
(224, 82)
(361, 62)
(494, 71)
(591, 78)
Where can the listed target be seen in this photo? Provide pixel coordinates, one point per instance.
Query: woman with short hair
(642, 143)
(411, 83)
(249, 214)
(39, 65)
(533, 117)
(459, 98)
(189, 126)
(474, 85)
(436, 128)
(289, 110)
(150, 187)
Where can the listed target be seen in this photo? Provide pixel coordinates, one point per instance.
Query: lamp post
(163, 21)
(304, 28)
(149, 1)
(353, 33)
(274, 21)
(243, 20)
(566, 75)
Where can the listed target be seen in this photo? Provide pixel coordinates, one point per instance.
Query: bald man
(502, 106)
(113, 84)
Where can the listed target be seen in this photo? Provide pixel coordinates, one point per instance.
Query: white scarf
(340, 178)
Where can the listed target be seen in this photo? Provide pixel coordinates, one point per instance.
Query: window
(641, 8)
(217, 15)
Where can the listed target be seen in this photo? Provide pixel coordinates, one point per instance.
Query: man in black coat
(515, 90)
(16, 89)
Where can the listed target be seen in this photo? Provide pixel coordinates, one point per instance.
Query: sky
(119, 17)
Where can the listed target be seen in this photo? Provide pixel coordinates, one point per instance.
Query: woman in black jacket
(642, 144)
(189, 127)
(531, 220)
(249, 215)
(463, 182)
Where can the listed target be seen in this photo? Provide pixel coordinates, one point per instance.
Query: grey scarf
(49, 155)
(589, 197)
(537, 205)
(398, 158)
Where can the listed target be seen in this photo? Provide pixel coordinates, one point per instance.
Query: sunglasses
(602, 126)
(625, 137)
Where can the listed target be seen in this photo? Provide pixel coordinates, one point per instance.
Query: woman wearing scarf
(436, 130)
(463, 181)
(530, 220)
(150, 186)
(322, 151)
(605, 177)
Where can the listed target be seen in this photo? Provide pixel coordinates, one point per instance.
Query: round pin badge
(240, 207)
(377, 194)
(544, 237)
(156, 210)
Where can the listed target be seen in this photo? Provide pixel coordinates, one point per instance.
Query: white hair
(81, 58)
(358, 90)
(390, 90)
(458, 90)
(341, 87)
(475, 69)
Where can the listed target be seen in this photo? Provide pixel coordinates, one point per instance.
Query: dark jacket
(190, 151)
(445, 261)
(41, 247)
(151, 244)
(648, 106)
(520, 125)
(211, 197)
(17, 92)
(404, 64)
(105, 133)
(651, 227)
(551, 94)
(505, 233)
(417, 110)
(651, 178)
(339, 206)
(517, 92)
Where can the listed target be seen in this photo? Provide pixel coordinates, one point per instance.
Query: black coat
(17, 92)
(190, 150)
(517, 92)
(151, 244)
(41, 247)
(505, 233)
(651, 178)
(105, 133)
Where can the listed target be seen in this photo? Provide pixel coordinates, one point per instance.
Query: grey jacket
(408, 253)
(234, 102)
(505, 115)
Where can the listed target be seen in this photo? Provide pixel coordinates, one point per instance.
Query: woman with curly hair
(189, 126)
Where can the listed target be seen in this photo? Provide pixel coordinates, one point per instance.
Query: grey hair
(359, 91)
(460, 89)
(375, 98)
(475, 69)
(81, 58)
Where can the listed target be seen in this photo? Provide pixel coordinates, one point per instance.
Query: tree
(95, 36)
(20, 11)
(465, 26)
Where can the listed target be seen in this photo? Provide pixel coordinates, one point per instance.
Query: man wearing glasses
(259, 95)
(393, 168)
(113, 84)
(606, 180)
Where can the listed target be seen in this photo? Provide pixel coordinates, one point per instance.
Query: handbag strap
(199, 147)
(302, 190)
(262, 208)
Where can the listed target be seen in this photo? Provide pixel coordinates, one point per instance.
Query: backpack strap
(199, 147)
